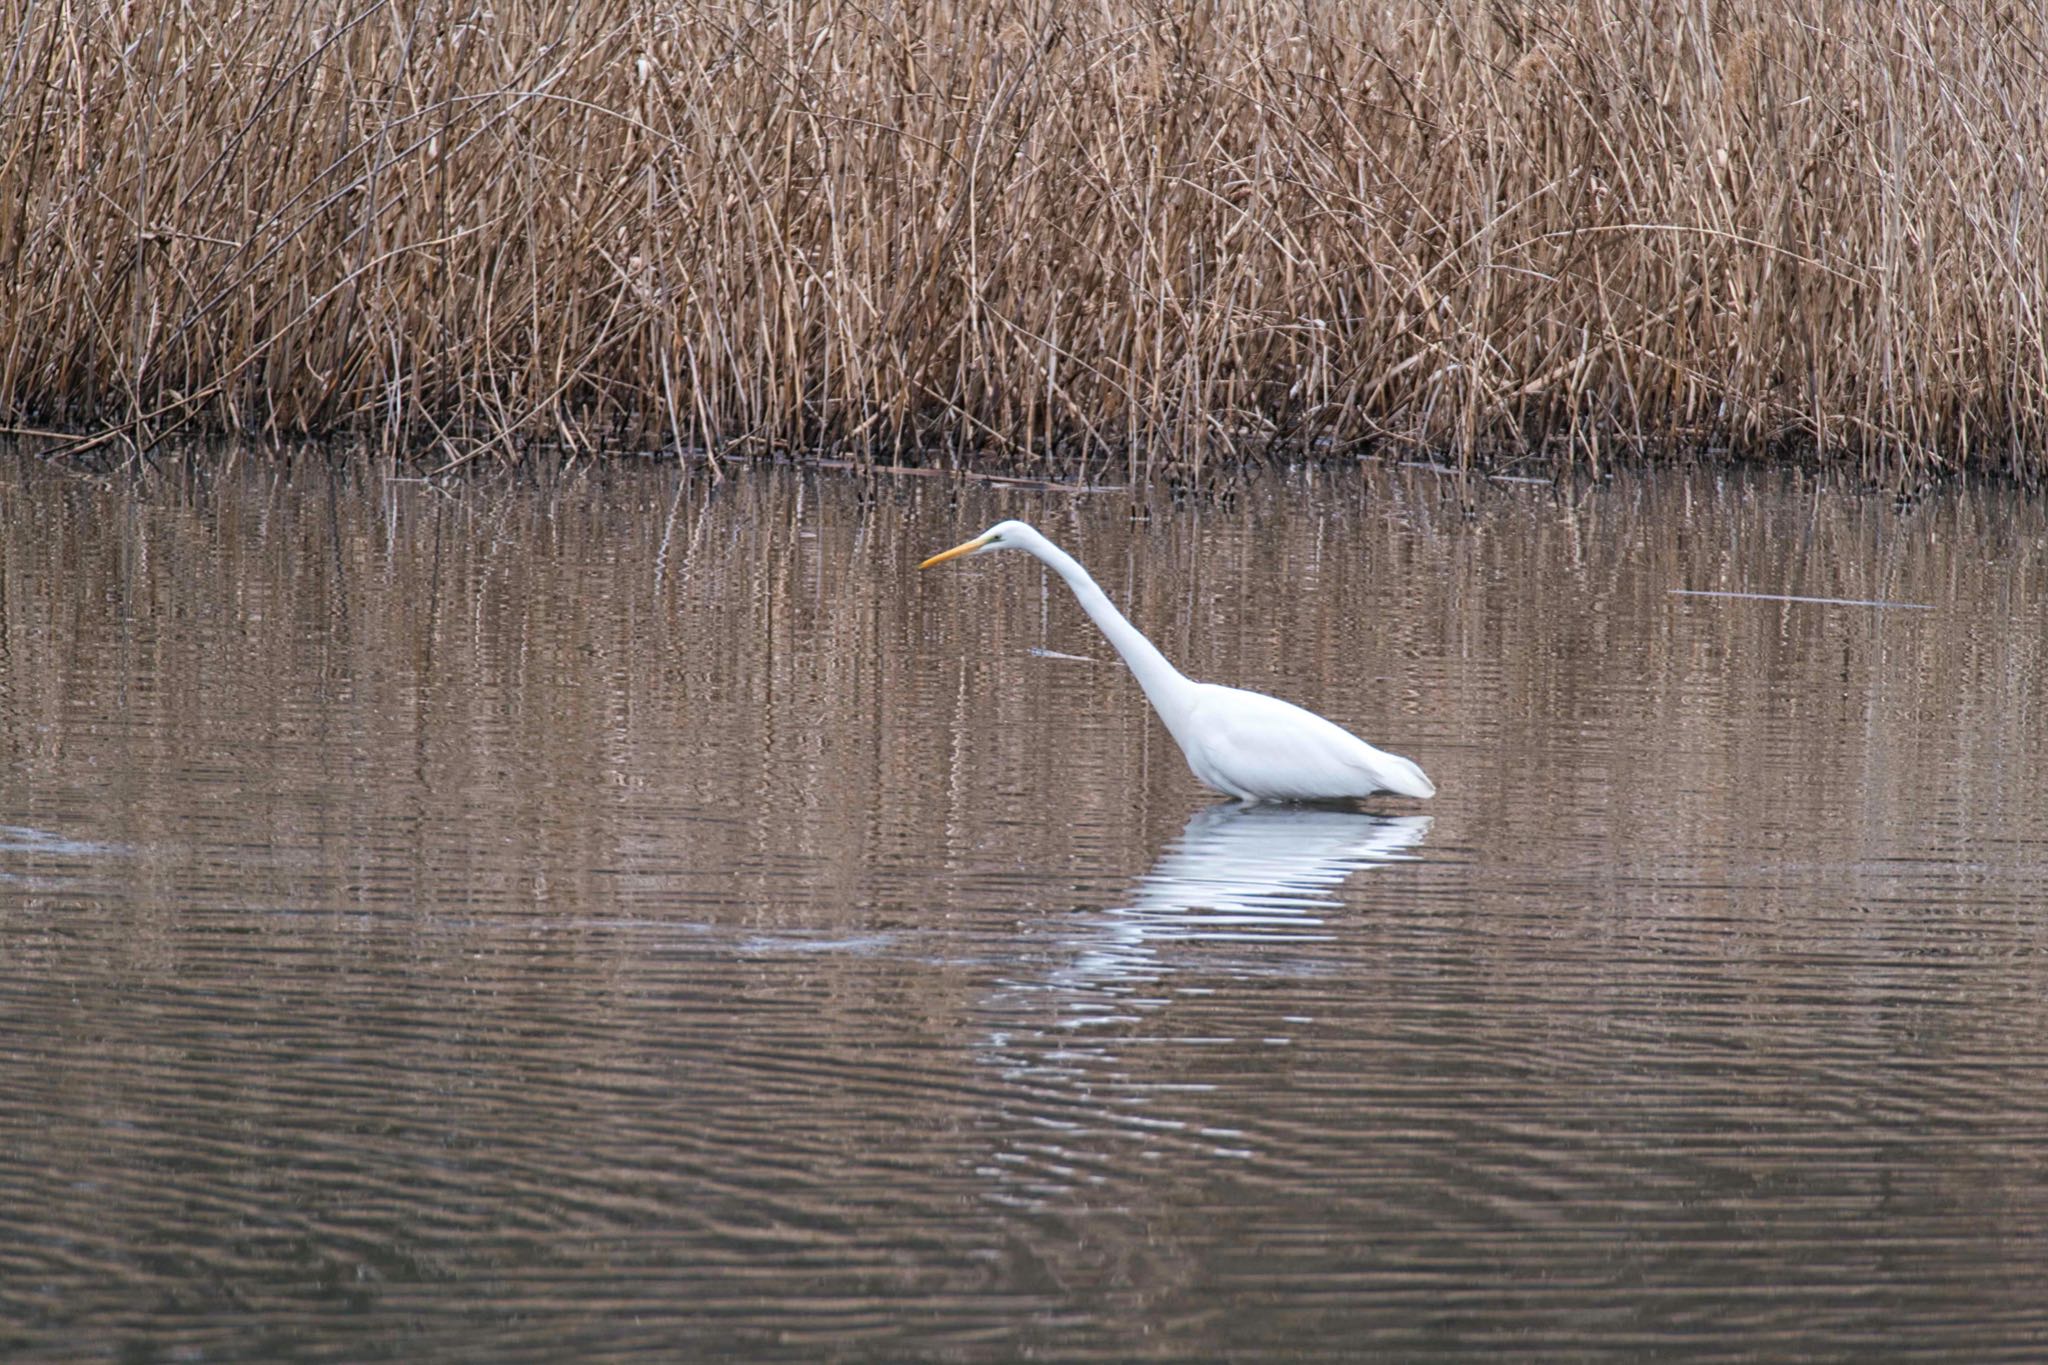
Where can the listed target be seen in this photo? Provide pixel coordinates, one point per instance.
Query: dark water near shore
(615, 919)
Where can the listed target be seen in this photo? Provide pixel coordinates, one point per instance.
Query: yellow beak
(967, 548)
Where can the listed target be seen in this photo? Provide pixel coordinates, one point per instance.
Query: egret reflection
(1245, 875)
(1244, 893)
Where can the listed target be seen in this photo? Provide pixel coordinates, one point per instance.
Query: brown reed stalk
(1136, 235)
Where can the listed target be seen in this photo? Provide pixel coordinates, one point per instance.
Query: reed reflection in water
(612, 917)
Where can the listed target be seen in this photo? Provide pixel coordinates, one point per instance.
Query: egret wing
(1261, 747)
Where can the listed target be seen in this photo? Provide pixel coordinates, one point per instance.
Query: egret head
(1004, 535)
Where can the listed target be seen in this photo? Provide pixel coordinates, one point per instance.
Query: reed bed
(1035, 234)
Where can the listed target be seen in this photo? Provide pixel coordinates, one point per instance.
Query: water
(611, 917)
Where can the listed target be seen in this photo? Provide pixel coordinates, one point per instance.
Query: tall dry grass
(1026, 231)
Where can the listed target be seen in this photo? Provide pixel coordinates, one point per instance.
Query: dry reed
(1027, 233)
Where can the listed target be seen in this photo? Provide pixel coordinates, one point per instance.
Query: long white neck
(1166, 687)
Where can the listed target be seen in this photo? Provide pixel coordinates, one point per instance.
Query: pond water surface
(615, 917)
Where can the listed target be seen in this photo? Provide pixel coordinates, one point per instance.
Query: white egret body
(1243, 744)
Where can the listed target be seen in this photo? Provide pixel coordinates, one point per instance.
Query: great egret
(1243, 744)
